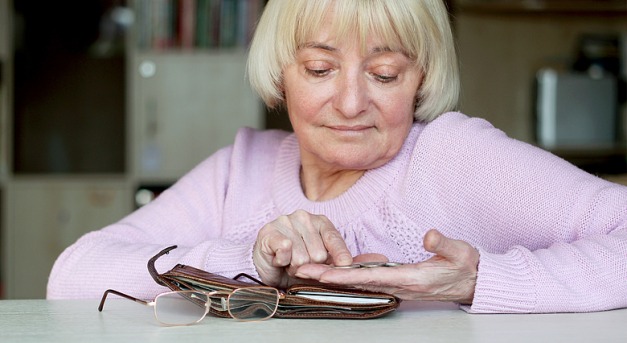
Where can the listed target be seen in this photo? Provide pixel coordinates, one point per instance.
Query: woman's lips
(350, 131)
(350, 128)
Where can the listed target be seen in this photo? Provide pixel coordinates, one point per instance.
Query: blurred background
(105, 103)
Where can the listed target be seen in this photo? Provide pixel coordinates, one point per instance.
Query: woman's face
(350, 111)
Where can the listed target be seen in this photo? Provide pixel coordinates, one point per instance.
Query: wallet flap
(205, 279)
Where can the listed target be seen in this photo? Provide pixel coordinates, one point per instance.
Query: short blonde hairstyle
(418, 28)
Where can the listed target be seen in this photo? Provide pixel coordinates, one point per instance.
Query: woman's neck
(321, 185)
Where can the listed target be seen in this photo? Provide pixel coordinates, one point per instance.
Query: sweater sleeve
(551, 237)
(190, 214)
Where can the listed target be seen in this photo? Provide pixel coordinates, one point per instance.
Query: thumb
(437, 243)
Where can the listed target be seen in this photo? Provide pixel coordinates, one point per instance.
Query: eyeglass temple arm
(104, 297)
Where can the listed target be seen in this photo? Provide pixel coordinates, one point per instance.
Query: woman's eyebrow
(321, 46)
(386, 49)
(373, 51)
(380, 49)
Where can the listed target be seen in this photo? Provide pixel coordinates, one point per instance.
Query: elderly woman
(377, 169)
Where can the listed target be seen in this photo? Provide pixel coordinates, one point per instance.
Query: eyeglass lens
(180, 308)
(189, 307)
(254, 303)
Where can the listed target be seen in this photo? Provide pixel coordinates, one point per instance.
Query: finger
(314, 271)
(311, 270)
(278, 250)
(335, 245)
(292, 228)
(302, 229)
(314, 249)
(363, 276)
(432, 240)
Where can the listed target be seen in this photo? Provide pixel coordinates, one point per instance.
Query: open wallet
(298, 301)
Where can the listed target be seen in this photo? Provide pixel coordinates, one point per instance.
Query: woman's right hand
(294, 240)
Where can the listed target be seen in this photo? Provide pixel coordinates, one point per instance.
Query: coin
(372, 264)
(351, 266)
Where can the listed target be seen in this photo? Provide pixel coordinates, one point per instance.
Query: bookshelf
(195, 24)
(187, 61)
(178, 96)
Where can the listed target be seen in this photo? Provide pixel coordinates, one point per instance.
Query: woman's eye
(317, 72)
(385, 78)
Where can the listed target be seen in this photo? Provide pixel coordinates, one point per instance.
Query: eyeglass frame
(207, 304)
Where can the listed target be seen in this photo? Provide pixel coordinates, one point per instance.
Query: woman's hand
(450, 275)
(291, 241)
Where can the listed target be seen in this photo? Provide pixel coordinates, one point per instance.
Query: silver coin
(372, 264)
(351, 266)
(393, 264)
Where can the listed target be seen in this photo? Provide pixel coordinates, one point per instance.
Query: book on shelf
(187, 23)
(195, 24)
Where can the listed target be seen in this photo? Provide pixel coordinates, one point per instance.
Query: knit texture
(551, 237)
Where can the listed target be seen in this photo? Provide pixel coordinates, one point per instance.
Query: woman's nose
(351, 97)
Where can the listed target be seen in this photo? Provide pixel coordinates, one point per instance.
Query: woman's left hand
(450, 275)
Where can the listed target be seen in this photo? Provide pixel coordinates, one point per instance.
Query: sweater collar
(363, 195)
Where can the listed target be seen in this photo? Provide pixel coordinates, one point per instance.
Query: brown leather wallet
(298, 301)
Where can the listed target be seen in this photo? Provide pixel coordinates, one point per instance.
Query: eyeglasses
(191, 306)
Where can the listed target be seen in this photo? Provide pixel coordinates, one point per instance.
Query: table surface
(125, 321)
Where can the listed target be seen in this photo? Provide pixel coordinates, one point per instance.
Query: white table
(125, 321)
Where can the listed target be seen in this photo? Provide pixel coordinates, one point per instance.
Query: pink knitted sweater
(552, 238)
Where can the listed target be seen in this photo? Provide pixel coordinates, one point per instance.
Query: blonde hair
(418, 28)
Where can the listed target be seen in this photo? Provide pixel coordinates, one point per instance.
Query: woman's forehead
(371, 46)
(337, 34)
